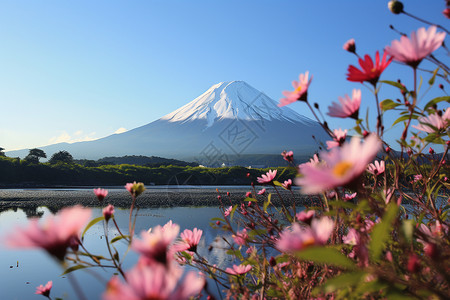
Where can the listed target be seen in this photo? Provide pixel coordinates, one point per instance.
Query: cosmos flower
(342, 165)
(154, 282)
(268, 177)
(348, 197)
(240, 237)
(262, 192)
(135, 188)
(369, 72)
(189, 240)
(44, 290)
(55, 235)
(108, 212)
(376, 168)
(300, 91)
(339, 138)
(305, 216)
(352, 237)
(412, 50)
(239, 270)
(434, 122)
(347, 107)
(350, 46)
(227, 211)
(297, 238)
(101, 194)
(288, 156)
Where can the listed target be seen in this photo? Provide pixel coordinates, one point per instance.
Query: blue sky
(79, 70)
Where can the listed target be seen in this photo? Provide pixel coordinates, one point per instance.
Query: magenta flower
(369, 72)
(298, 238)
(348, 197)
(44, 290)
(412, 50)
(239, 270)
(108, 212)
(434, 122)
(154, 282)
(189, 240)
(300, 91)
(287, 184)
(262, 192)
(101, 194)
(343, 165)
(248, 195)
(350, 46)
(227, 211)
(376, 168)
(154, 244)
(240, 237)
(417, 177)
(268, 177)
(346, 107)
(288, 156)
(55, 235)
(339, 138)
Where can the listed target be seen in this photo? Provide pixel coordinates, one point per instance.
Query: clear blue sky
(74, 70)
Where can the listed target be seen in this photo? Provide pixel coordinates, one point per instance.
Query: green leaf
(388, 104)
(431, 81)
(267, 202)
(73, 268)
(436, 101)
(218, 219)
(232, 212)
(277, 183)
(249, 199)
(118, 238)
(91, 223)
(396, 84)
(381, 232)
(323, 255)
(404, 118)
(341, 281)
(408, 229)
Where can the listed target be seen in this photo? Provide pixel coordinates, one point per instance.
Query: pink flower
(343, 165)
(248, 195)
(55, 235)
(227, 211)
(370, 72)
(154, 244)
(240, 237)
(339, 138)
(135, 188)
(417, 177)
(352, 237)
(44, 290)
(154, 282)
(108, 212)
(434, 122)
(262, 192)
(239, 270)
(305, 216)
(376, 168)
(287, 184)
(350, 46)
(268, 177)
(347, 107)
(101, 194)
(189, 240)
(300, 90)
(412, 50)
(312, 162)
(348, 197)
(298, 238)
(288, 156)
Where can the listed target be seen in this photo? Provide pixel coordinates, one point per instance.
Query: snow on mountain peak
(233, 100)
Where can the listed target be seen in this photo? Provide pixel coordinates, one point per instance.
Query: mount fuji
(231, 120)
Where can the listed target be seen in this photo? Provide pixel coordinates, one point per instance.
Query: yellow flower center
(298, 89)
(342, 168)
(309, 242)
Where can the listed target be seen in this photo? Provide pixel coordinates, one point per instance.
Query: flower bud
(108, 212)
(396, 7)
(413, 263)
(388, 149)
(431, 151)
(441, 86)
(350, 46)
(446, 13)
(272, 261)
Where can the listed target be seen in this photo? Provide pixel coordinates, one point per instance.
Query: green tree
(34, 155)
(1, 151)
(61, 157)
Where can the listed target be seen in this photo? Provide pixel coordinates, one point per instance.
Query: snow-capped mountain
(230, 120)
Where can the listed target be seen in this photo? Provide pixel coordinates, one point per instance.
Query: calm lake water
(21, 271)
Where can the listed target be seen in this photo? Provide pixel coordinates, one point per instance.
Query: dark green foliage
(61, 157)
(34, 155)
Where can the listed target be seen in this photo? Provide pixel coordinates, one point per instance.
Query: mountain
(229, 121)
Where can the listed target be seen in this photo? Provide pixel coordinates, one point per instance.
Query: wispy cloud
(120, 130)
(77, 136)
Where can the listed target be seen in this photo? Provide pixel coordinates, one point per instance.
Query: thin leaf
(232, 212)
(432, 79)
(118, 238)
(436, 101)
(91, 223)
(73, 268)
(266, 203)
(342, 281)
(404, 118)
(388, 104)
(381, 232)
(328, 256)
(396, 84)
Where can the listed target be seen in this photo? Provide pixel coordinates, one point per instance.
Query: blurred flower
(412, 50)
(240, 237)
(248, 195)
(44, 290)
(154, 244)
(135, 188)
(228, 211)
(348, 197)
(413, 263)
(339, 138)
(352, 237)
(189, 240)
(108, 212)
(347, 107)
(154, 282)
(298, 238)
(268, 177)
(434, 122)
(101, 194)
(370, 72)
(300, 90)
(446, 13)
(396, 7)
(350, 46)
(287, 184)
(417, 177)
(312, 162)
(305, 216)
(55, 235)
(288, 156)
(262, 192)
(343, 165)
(376, 168)
(239, 270)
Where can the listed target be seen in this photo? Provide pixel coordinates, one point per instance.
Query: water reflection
(26, 269)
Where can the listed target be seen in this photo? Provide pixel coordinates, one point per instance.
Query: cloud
(78, 136)
(120, 130)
